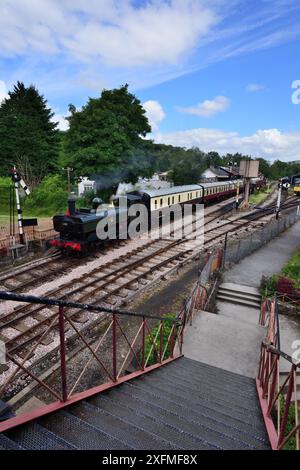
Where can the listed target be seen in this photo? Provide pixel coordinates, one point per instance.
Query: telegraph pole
(69, 171)
(237, 195)
(279, 199)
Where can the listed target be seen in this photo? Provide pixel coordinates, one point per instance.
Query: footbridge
(144, 382)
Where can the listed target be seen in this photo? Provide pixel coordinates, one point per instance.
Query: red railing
(123, 348)
(148, 342)
(278, 400)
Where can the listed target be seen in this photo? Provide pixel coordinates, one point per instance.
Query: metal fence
(252, 241)
(278, 401)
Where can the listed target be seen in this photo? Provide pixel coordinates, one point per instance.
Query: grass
(260, 196)
(292, 269)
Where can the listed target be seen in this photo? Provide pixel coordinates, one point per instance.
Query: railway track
(46, 269)
(113, 283)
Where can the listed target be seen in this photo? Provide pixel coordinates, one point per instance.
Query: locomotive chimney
(72, 206)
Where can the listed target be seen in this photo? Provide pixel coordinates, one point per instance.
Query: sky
(222, 75)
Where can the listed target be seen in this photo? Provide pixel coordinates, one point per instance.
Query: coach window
(161, 202)
(172, 199)
(179, 198)
(155, 204)
(168, 201)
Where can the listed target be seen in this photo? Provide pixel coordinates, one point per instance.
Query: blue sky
(213, 73)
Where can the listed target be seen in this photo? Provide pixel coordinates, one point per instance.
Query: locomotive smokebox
(72, 206)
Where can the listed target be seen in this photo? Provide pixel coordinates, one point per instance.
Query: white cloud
(208, 108)
(115, 33)
(63, 124)
(3, 91)
(255, 87)
(271, 144)
(154, 112)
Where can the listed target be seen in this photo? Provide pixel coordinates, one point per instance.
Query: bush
(292, 269)
(5, 184)
(168, 323)
(49, 198)
(268, 286)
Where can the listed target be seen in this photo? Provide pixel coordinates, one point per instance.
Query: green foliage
(105, 137)
(28, 137)
(5, 184)
(268, 286)
(292, 268)
(49, 198)
(149, 341)
(260, 196)
(187, 166)
(291, 422)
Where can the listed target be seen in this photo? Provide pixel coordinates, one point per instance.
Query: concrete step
(238, 300)
(240, 288)
(240, 295)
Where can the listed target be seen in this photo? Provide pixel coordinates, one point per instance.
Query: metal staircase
(182, 405)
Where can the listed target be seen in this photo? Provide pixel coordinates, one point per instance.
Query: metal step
(214, 377)
(35, 437)
(133, 412)
(184, 388)
(201, 368)
(187, 379)
(81, 434)
(196, 403)
(154, 407)
(209, 393)
(205, 408)
(131, 434)
(214, 433)
(8, 444)
(183, 405)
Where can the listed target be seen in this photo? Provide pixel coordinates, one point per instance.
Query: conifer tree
(28, 137)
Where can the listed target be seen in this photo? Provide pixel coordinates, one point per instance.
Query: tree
(188, 166)
(28, 137)
(264, 167)
(213, 159)
(104, 137)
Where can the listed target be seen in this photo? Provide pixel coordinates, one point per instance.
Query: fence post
(114, 345)
(224, 252)
(287, 406)
(161, 340)
(63, 369)
(143, 344)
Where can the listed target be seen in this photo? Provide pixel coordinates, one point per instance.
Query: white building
(86, 185)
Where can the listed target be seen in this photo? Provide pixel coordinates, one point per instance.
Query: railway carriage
(159, 199)
(77, 229)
